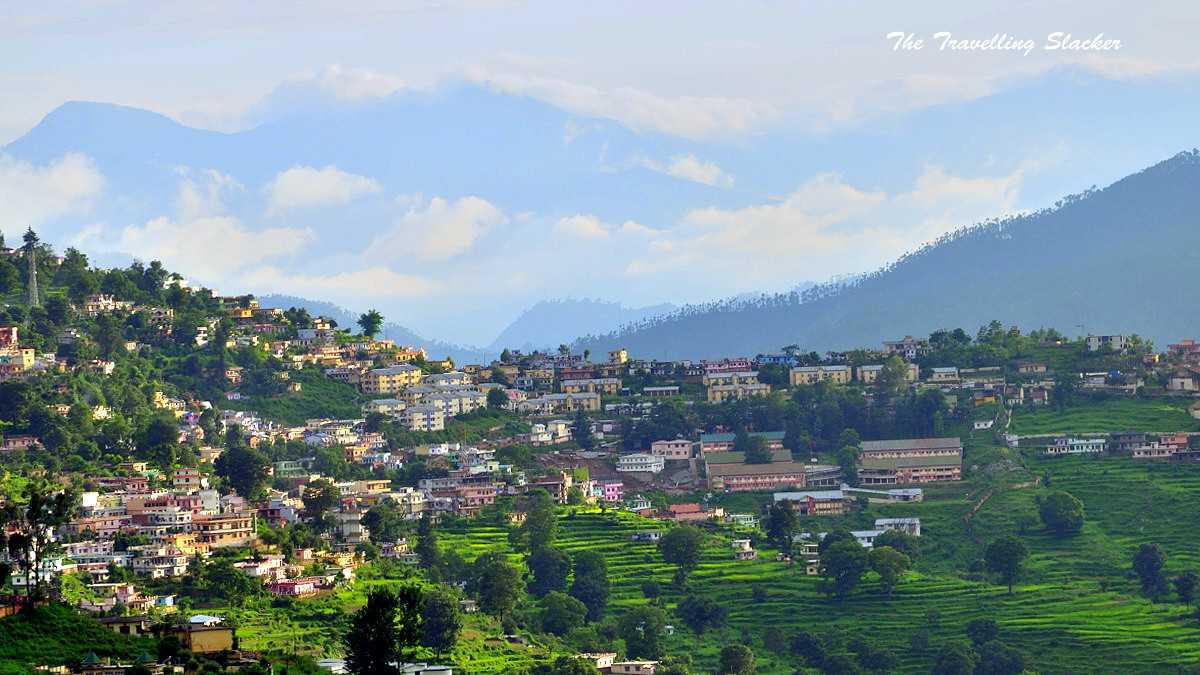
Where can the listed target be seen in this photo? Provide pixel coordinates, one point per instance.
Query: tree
(581, 431)
(701, 613)
(681, 547)
(834, 537)
(440, 622)
(955, 659)
(561, 613)
(222, 579)
(901, 541)
(496, 398)
(371, 641)
(892, 379)
(847, 459)
(370, 323)
(426, 548)
(651, 590)
(43, 513)
(1004, 558)
(245, 469)
(642, 630)
(590, 585)
(775, 640)
(319, 496)
(997, 658)
(781, 524)
(736, 660)
(890, 565)
(754, 448)
(541, 524)
(809, 647)
(1062, 514)
(843, 565)
(1148, 563)
(548, 568)
(1185, 586)
(498, 584)
(384, 522)
(982, 631)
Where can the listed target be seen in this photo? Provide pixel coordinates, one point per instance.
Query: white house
(640, 463)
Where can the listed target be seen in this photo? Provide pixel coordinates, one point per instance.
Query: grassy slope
(1077, 609)
(53, 635)
(314, 627)
(319, 396)
(1106, 416)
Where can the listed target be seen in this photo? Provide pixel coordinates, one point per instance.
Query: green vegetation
(1106, 416)
(318, 397)
(52, 634)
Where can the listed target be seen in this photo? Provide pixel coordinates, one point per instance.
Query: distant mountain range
(553, 322)
(347, 319)
(1123, 259)
(543, 326)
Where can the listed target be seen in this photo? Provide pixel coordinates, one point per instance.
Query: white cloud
(213, 248)
(376, 282)
(689, 167)
(694, 117)
(202, 194)
(587, 226)
(32, 195)
(442, 230)
(306, 187)
(582, 226)
(351, 84)
(828, 226)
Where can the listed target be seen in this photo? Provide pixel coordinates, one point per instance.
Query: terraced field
(1156, 415)
(1061, 618)
(1076, 609)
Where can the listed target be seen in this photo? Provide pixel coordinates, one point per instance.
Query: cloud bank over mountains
(452, 210)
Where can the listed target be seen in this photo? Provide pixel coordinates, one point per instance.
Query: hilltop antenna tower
(31, 240)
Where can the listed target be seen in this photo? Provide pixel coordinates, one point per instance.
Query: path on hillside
(988, 495)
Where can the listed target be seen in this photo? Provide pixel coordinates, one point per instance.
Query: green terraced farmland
(1077, 608)
(1060, 618)
(1106, 416)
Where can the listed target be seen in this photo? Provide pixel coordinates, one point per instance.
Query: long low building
(816, 502)
(755, 477)
(915, 460)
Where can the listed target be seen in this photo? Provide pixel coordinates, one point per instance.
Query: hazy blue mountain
(347, 319)
(538, 163)
(553, 322)
(1123, 259)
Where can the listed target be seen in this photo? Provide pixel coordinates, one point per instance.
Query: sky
(671, 151)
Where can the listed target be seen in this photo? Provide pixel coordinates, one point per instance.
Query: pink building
(612, 490)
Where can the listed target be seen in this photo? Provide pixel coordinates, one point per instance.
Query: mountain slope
(1117, 260)
(393, 331)
(550, 323)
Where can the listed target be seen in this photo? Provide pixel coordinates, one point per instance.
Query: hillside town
(169, 452)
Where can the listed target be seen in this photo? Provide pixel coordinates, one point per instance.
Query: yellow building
(603, 385)
(390, 380)
(868, 374)
(815, 374)
(719, 393)
(618, 356)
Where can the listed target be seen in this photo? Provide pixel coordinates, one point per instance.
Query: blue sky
(638, 152)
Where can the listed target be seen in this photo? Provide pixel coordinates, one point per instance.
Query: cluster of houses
(1136, 444)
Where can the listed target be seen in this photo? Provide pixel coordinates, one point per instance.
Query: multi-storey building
(815, 374)
(386, 381)
(917, 460)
